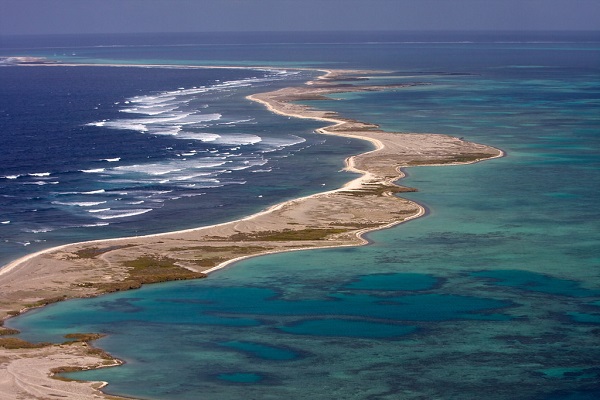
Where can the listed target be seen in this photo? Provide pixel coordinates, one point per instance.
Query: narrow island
(330, 219)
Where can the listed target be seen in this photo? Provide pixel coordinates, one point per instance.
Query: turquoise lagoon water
(494, 293)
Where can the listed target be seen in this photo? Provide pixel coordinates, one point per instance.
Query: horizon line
(361, 31)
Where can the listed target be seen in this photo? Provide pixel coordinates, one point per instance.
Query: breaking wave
(113, 214)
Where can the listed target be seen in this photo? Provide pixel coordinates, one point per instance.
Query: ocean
(104, 152)
(495, 292)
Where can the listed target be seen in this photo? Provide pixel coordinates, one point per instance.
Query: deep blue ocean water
(99, 152)
(495, 292)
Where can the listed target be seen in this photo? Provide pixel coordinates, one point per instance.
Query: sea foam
(183, 114)
(99, 210)
(94, 170)
(113, 214)
(94, 191)
(79, 203)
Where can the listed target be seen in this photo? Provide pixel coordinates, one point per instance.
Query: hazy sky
(99, 16)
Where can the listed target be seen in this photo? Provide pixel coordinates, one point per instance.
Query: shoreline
(335, 218)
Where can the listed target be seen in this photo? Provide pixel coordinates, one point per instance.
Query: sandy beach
(330, 219)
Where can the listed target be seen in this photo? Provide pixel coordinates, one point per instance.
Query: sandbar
(334, 218)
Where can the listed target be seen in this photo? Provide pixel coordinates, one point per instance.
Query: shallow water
(495, 291)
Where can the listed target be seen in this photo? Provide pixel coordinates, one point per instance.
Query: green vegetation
(357, 225)
(210, 256)
(63, 370)
(378, 190)
(412, 211)
(39, 303)
(127, 284)
(209, 262)
(350, 125)
(83, 337)
(149, 269)
(93, 351)
(299, 98)
(222, 249)
(45, 302)
(8, 331)
(289, 235)
(93, 252)
(459, 158)
(90, 252)
(15, 343)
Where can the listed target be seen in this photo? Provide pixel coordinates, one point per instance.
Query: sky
(129, 16)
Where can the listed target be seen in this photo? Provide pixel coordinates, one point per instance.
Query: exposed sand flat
(25, 373)
(329, 219)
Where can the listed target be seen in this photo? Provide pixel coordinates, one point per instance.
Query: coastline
(329, 219)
